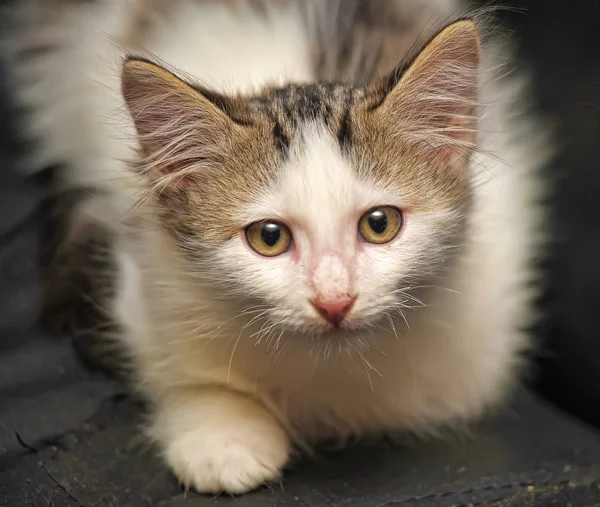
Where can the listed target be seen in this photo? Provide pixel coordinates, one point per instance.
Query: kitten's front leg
(216, 440)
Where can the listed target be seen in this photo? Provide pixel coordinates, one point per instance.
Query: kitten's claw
(232, 460)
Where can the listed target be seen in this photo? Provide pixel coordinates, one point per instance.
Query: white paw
(235, 459)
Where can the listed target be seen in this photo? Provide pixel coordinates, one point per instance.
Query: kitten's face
(341, 235)
(318, 206)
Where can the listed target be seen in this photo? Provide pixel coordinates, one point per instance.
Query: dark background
(561, 42)
(45, 391)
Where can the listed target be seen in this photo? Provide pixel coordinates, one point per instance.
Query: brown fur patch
(381, 155)
(79, 274)
(226, 153)
(421, 133)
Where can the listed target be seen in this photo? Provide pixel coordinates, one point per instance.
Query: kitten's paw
(233, 459)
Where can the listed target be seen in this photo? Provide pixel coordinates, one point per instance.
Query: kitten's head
(321, 204)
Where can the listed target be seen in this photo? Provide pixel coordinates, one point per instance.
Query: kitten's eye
(380, 225)
(269, 238)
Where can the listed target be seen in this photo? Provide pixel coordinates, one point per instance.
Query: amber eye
(380, 225)
(269, 238)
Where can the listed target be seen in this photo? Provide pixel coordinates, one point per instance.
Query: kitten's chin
(347, 331)
(344, 339)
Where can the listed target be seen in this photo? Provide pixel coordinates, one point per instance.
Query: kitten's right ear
(432, 101)
(181, 132)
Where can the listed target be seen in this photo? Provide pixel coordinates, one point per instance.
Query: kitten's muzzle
(334, 311)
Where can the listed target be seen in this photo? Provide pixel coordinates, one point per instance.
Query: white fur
(235, 53)
(230, 397)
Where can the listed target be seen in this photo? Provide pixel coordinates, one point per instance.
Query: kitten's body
(231, 387)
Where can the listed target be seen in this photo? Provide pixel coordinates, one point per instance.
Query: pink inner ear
(173, 174)
(180, 130)
(460, 135)
(433, 103)
(167, 170)
(175, 138)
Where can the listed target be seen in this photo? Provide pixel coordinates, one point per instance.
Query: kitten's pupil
(378, 221)
(270, 234)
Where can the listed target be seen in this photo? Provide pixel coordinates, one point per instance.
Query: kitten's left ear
(182, 132)
(432, 101)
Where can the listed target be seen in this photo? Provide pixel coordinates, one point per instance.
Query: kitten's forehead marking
(292, 106)
(318, 186)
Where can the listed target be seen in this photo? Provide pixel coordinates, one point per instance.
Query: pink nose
(334, 311)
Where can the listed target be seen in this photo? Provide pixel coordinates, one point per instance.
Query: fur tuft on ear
(180, 130)
(432, 100)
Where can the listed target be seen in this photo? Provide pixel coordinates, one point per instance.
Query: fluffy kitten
(321, 231)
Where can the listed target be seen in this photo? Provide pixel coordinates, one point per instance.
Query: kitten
(325, 221)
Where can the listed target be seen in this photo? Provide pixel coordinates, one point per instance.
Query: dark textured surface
(519, 457)
(68, 439)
